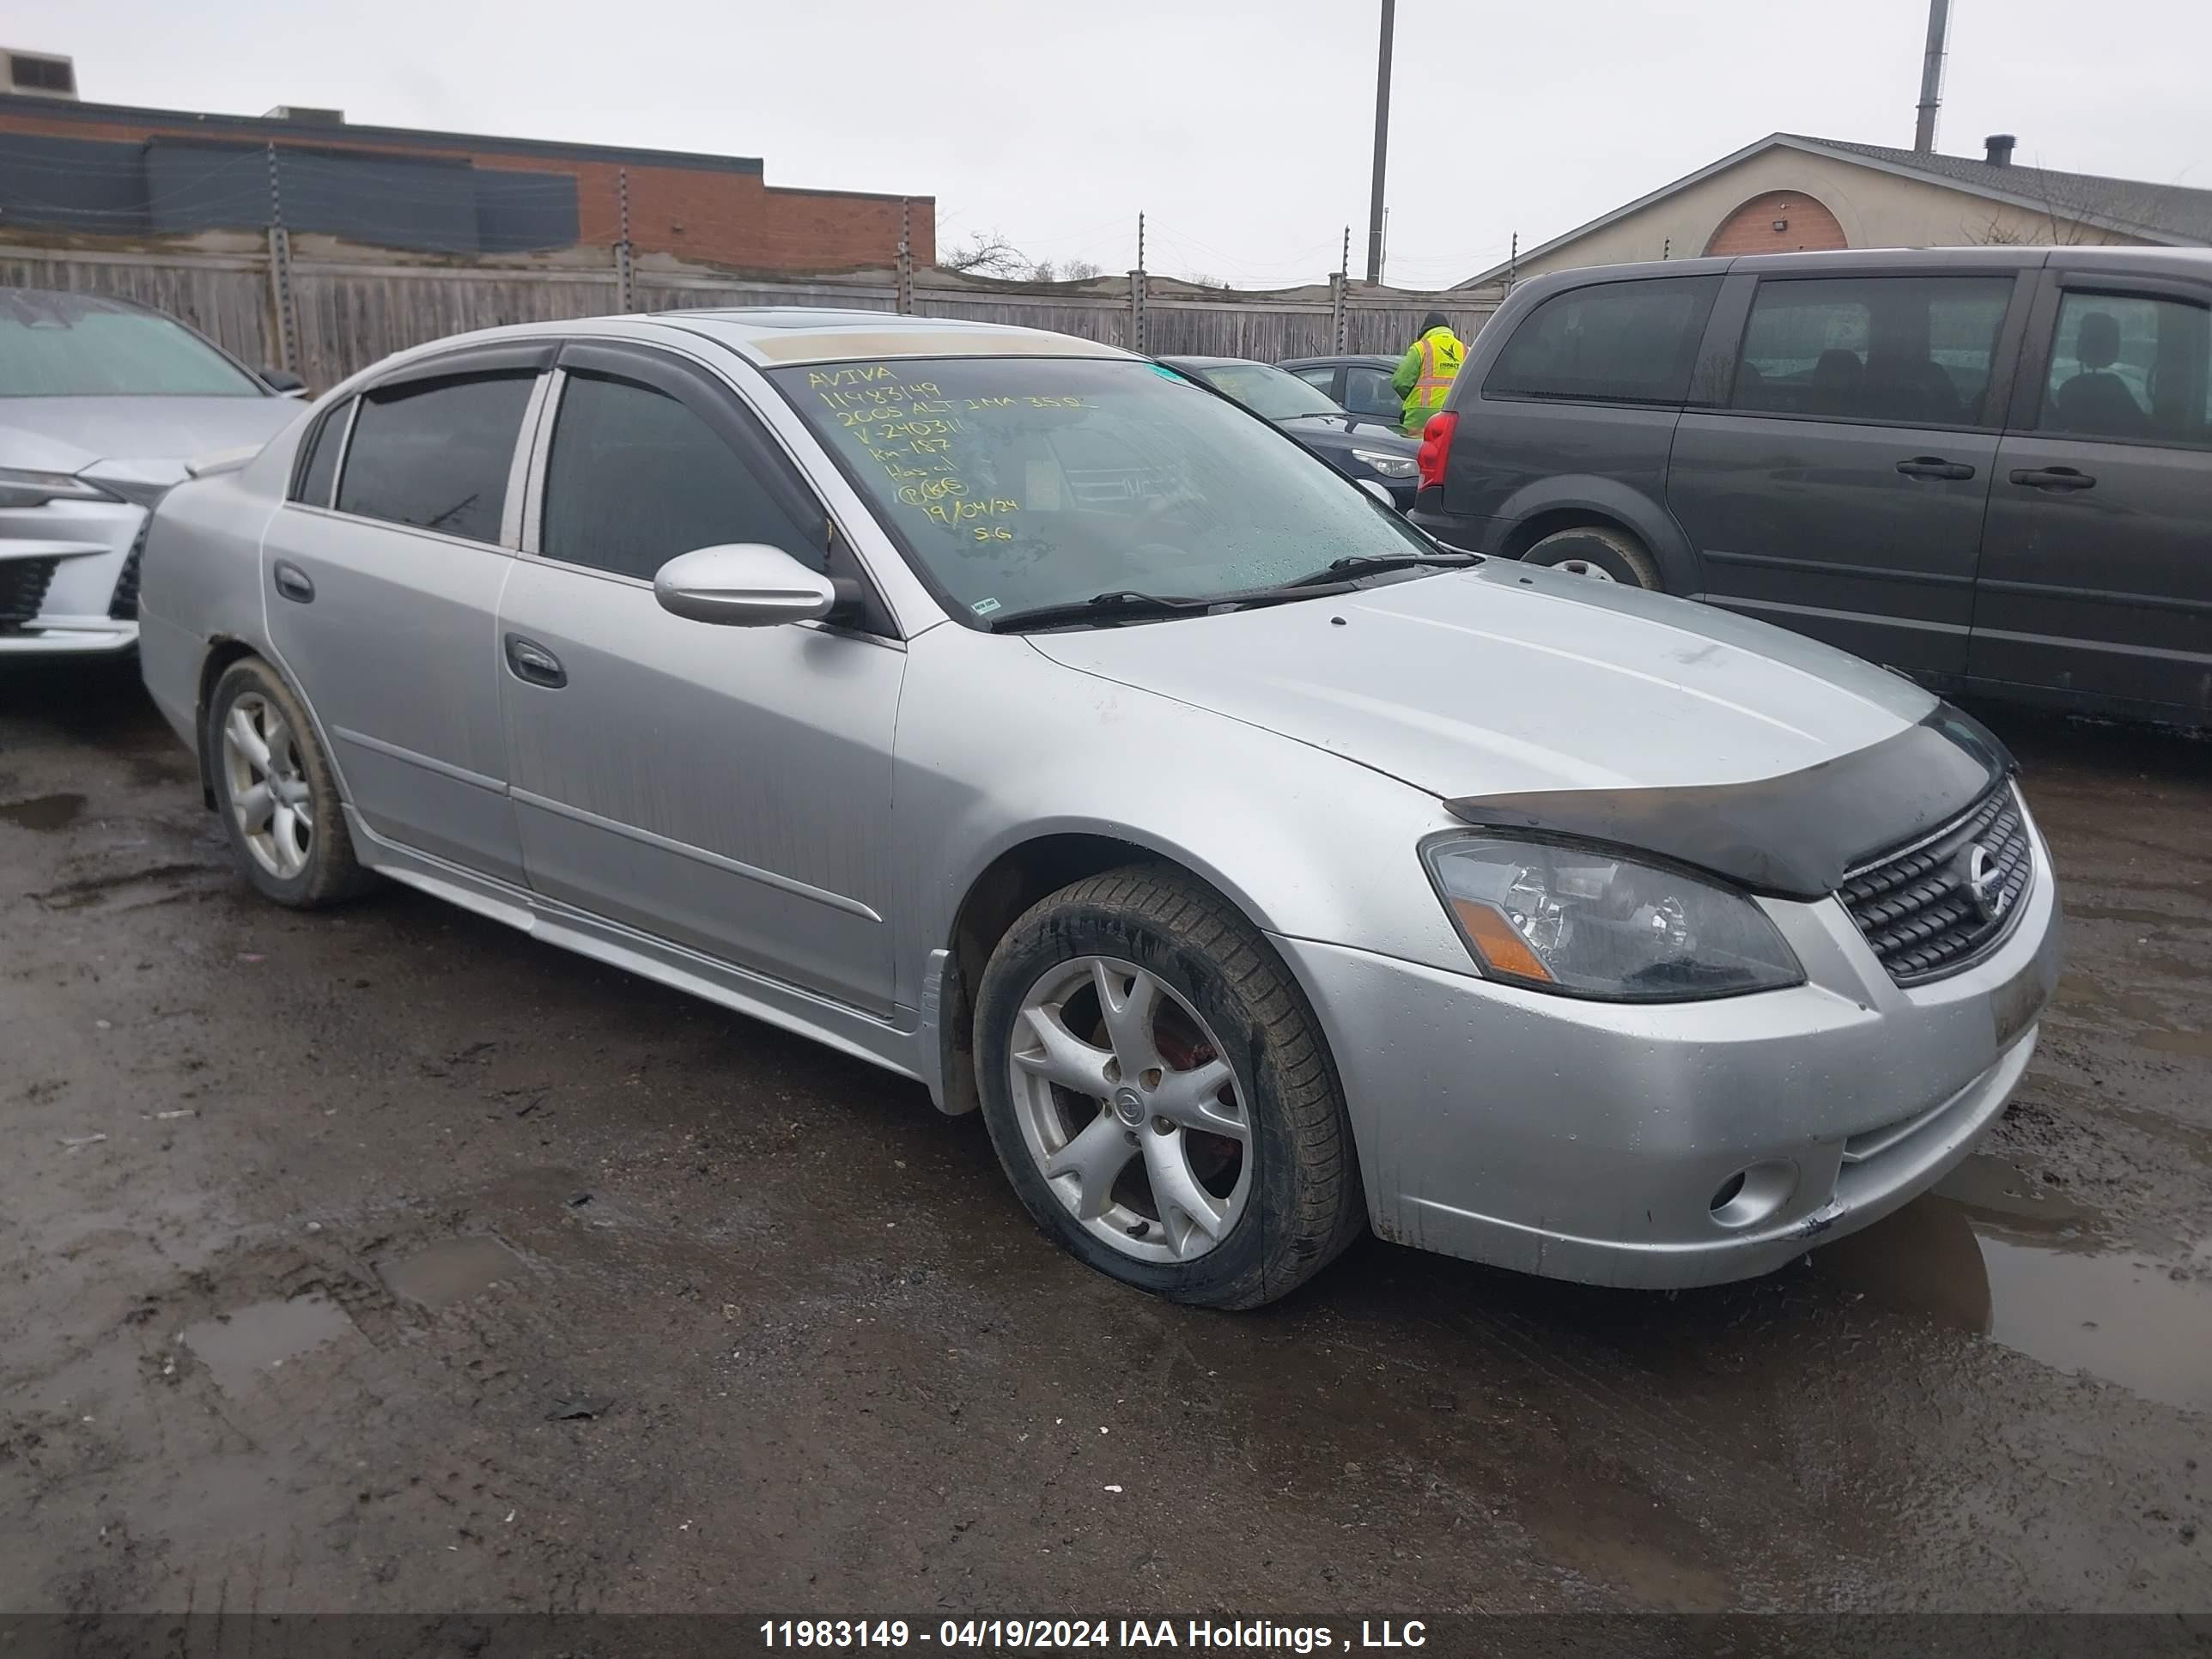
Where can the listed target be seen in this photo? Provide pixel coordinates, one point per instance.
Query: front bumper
(1589, 1140)
(76, 558)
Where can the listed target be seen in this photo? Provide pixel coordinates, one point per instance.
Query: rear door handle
(533, 662)
(1934, 467)
(292, 582)
(2053, 477)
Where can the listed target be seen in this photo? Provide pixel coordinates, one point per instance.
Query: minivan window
(2129, 366)
(1017, 482)
(435, 454)
(1912, 349)
(635, 478)
(1629, 342)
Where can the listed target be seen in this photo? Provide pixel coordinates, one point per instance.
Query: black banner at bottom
(1410, 1635)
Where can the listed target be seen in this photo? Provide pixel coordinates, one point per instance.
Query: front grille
(124, 606)
(1917, 908)
(23, 589)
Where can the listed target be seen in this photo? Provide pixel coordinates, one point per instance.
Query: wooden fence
(350, 312)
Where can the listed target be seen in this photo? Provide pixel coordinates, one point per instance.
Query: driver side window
(633, 478)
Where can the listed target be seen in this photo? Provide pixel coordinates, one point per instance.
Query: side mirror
(744, 585)
(283, 382)
(1377, 492)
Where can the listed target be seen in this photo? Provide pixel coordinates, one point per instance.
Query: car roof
(1216, 362)
(1362, 358)
(773, 336)
(2195, 262)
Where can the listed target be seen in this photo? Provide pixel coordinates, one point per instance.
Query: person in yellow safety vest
(1423, 375)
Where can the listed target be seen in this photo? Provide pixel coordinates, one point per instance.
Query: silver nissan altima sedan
(1020, 717)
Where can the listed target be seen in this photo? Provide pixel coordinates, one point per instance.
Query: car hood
(136, 438)
(1362, 427)
(1503, 678)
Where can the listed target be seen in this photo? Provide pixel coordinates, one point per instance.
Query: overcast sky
(1241, 127)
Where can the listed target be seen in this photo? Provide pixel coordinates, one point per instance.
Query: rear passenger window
(1912, 349)
(1368, 392)
(1627, 343)
(319, 461)
(2130, 368)
(635, 478)
(435, 454)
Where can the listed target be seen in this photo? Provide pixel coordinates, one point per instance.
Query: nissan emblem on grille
(1944, 903)
(1986, 884)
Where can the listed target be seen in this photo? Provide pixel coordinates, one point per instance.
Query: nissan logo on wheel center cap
(1985, 883)
(1130, 1105)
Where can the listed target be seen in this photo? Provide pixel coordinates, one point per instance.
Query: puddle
(42, 812)
(2197, 1045)
(450, 1271)
(1989, 1253)
(240, 1346)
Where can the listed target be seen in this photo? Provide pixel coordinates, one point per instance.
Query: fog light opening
(1754, 1194)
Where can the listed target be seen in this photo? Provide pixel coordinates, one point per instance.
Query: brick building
(79, 169)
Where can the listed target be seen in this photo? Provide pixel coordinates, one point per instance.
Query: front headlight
(1583, 922)
(20, 488)
(1389, 465)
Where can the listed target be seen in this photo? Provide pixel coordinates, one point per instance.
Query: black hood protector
(1793, 836)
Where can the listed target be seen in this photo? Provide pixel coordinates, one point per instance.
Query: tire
(1595, 551)
(1289, 1199)
(303, 861)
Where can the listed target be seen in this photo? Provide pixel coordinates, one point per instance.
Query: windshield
(1019, 482)
(72, 345)
(1276, 393)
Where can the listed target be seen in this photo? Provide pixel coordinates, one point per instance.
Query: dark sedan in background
(1360, 382)
(1361, 447)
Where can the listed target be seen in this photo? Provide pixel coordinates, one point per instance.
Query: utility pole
(1931, 77)
(283, 303)
(625, 255)
(904, 300)
(1381, 141)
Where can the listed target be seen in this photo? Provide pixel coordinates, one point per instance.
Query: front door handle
(1934, 467)
(292, 582)
(533, 662)
(2053, 477)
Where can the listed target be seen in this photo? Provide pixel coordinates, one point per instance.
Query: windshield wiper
(1127, 603)
(1368, 564)
(1121, 602)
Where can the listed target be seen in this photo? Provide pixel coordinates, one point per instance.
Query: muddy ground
(384, 1260)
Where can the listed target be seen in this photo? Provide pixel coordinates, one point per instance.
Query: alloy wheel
(269, 796)
(1597, 573)
(1130, 1109)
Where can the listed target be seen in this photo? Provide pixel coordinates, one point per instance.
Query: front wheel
(1602, 553)
(1158, 1092)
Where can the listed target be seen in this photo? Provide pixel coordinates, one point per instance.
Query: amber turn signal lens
(1498, 943)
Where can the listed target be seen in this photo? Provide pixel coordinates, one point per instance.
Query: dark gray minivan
(1991, 468)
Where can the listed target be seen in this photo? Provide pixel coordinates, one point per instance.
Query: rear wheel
(277, 792)
(1158, 1090)
(1602, 553)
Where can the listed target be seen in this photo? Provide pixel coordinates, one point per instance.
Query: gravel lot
(382, 1260)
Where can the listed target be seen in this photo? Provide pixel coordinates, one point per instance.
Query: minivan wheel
(1158, 1092)
(278, 798)
(1606, 556)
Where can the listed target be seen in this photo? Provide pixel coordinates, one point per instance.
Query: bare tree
(988, 253)
(2062, 225)
(1075, 271)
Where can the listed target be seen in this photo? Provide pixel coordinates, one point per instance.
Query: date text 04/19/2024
(1095, 1635)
